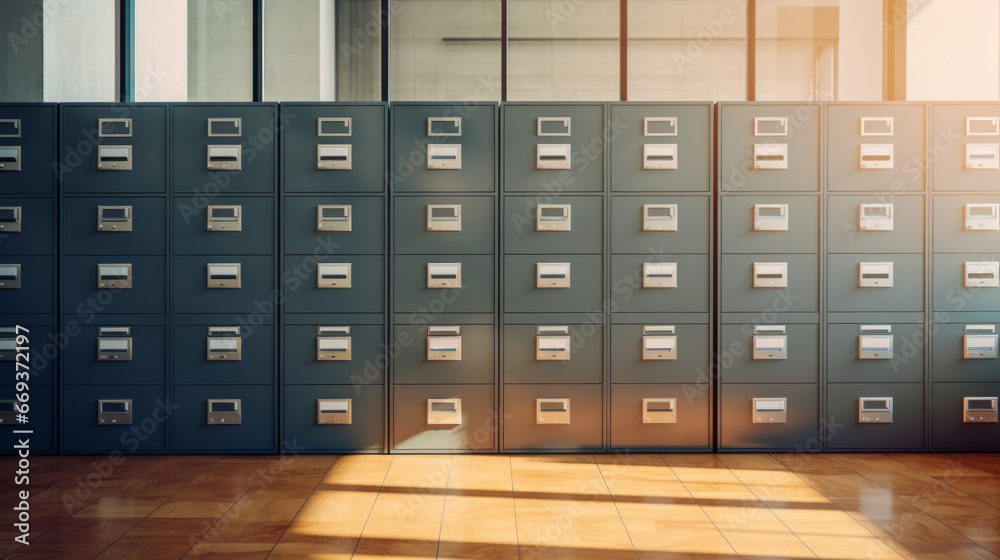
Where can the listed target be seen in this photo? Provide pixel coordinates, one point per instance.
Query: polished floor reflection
(544, 507)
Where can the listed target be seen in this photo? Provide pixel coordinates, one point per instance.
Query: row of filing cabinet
(516, 277)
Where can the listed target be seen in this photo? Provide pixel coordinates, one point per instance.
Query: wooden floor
(697, 507)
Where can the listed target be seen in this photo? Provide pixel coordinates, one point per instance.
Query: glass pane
(563, 50)
(445, 50)
(953, 50)
(303, 60)
(194, 50)
(58, 51)
(800, 54)
(690, 50)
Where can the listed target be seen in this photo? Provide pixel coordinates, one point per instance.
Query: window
(688, 50)
(953, 50)
(445, 50)
(563, 50)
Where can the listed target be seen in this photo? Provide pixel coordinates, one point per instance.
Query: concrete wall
(220, 43)
(21, 30)
(953, 50)
(79, 46)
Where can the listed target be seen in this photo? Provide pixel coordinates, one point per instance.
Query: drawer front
(300, 138)
(477, 139)
(192, 366)
(950, 291)
(691, 364)
(255, 433)
(37, 227)
(147, 366)
(738, 224)
(522, 430)
(846, 294)
(739, 431)
(476, 235)
(148, 293)
(522, 294)
(37, 280)
(366, 237)
(521, 350)
(629, 233)
(736, 291)
(191, 294)
(475, 296)
(950, 224)
(366, 294)
(256, 235)
(38, 145)
(148, 223)
(950, 171)
(693, 280)
(475, 432)
(951, 365)
(367, 364)
(906, 431)
(906, 365)
(366, 431)
(82, 143)
(801, 141)
(949, 430)
(521, 140)
(522, 236)
(846, 140)
(147, 432)
(41, 418)
(477, 363)
(801, 363)
(692, 137)
(848, 234)
(687, 428)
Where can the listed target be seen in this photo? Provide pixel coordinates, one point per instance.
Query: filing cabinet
(875, 224)
(201, 229)
(558, 224)
(347, 283)
(736, 283)
(354, 134)
(553, 353)
(192, 294)
(28, 148)
(114, 148)
(250, 410)
(99, 278)
(687, 289)
(660, 416)
(126, 418)
(27, 225)
(114, 225)
(964, 416)
(26, 284)
(965, 282)
(771, 353)
(43, 349)
(768, 146)
(444, 147)
(445, 353)
(521, 283)
(687, 234)
(875, 416)
(412, 293)
(690, 364)
(746, 227)
(193, 364)
(964, 353)
(444, 225)
(553, 148)
(365, 431)
(964, 224)
(472, 406)
(871, 147)
(365, 234)
(223, 148)
(561, 417)
(966, 139)
(661, 147)
(98, 355)
(875, 282)
(299, 352)
(787, 414)
(875, 353)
